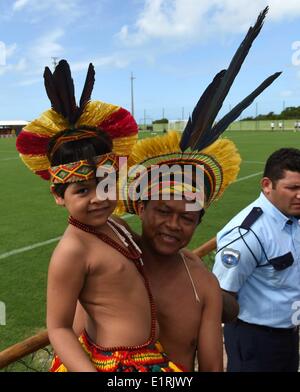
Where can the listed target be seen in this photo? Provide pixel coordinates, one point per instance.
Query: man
(187, 295)
(258, 262)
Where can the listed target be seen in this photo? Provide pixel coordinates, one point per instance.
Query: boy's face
(81, 200)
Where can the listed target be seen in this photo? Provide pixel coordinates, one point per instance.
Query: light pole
(256, 114)
(54, 62)
(283, 109)
(132, 99)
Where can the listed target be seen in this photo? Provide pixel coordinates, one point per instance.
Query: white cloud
(48, 46)
(39, 5)
(69, 10)
(286, 93)
(20, 4)
(10, 50)
(280, 10)
(114, 60)
(18, 67)
(29, 82)
(192, 19)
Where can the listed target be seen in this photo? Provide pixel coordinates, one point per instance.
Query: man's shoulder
(197, 266)
(192, 259)
(205, 282)
(122, 222)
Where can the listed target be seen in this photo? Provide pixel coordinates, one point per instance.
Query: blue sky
(173, 47)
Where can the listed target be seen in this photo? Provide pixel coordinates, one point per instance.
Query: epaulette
(252, 217)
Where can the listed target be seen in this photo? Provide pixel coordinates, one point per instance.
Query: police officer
(258, 262)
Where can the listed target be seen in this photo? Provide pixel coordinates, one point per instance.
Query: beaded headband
(82, 170)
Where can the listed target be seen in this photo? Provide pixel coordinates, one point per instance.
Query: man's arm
(230, 306)
(210, 341)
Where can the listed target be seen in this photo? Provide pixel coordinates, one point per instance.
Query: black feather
(65, 85)
(60, 90)
(52, 91)
(200, 130)
(199, 111)
(88, 87)
(222, 125)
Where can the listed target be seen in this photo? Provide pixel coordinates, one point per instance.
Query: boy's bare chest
(107, 266)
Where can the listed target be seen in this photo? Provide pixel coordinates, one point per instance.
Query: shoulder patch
(230, 257)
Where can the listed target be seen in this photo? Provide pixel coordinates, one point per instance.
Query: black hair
(76, 150)
(281, 160)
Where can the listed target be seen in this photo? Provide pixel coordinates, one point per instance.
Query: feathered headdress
(67, 121)
(198, 144)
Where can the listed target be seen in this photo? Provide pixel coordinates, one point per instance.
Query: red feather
(119, 124)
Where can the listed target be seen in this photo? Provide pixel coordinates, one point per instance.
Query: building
(11, 128)
(177, 125)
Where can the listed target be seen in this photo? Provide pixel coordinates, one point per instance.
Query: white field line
(39, 244)
(126, 216)
(8, 159)
(26, 248)
(262, 163)
(246, 177)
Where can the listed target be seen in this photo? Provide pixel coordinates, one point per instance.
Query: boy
(96, 262)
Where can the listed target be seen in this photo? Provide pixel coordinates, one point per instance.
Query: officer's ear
(266, 185)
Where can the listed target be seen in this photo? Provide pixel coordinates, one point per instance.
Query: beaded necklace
(133, 253)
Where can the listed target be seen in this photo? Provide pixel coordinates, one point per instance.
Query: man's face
(285, 193)
(166, 225)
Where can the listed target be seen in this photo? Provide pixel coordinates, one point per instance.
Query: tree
(161, 121)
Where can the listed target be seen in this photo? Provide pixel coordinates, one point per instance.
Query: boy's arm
(79, 319)
(210, 342)
(65, 281)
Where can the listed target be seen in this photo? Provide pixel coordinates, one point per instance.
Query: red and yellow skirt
(148, 359)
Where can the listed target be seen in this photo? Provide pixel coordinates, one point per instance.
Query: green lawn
(29, 216)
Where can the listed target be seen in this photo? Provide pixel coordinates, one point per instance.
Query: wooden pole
(26, 347)
(206, 248)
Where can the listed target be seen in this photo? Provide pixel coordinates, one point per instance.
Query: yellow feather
(154, 146)
(224, 151)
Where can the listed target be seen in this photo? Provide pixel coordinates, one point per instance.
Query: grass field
(29, 217)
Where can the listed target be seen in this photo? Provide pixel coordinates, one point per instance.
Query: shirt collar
(280, 218)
